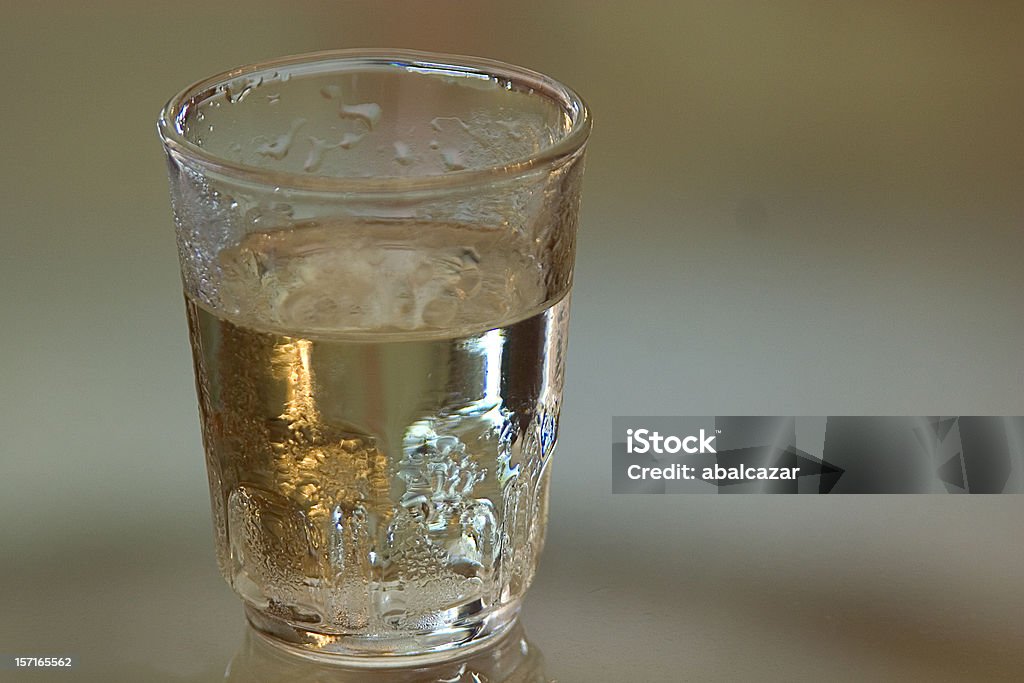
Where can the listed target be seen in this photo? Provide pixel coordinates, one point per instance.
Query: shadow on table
(513, 659)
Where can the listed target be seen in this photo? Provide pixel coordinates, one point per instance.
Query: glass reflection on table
(513, 659)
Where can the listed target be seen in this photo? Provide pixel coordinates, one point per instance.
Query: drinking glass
(377, 253)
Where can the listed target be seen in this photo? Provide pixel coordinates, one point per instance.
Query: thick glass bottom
(400, 649)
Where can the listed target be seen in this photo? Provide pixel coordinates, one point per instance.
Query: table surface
(681, 588)
(791, 208)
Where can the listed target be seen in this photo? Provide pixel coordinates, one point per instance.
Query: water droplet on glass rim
(452, 159)
(236, 91)
(369, 113)
(329, 92)
(279, 148)
(403, 154)
(316, 153)
(349, 139)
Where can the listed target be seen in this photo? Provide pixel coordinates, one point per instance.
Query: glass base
(418, 648)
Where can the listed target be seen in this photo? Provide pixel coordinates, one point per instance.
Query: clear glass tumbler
(377, 254)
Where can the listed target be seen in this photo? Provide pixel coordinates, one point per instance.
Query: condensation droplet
(439, 312)
(435, 123)
(278, 149)
(349, 139)
(236, 93)
(511, 128)
(368, 113)
(402, 153)
(456, 676)
(434, 144)
(316, 153)
(452, 159)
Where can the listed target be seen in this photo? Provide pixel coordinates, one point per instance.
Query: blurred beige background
(790, 208)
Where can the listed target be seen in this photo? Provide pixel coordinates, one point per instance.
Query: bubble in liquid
(306, 307)
(373, 277)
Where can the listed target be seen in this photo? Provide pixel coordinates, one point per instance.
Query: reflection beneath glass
(513, 659)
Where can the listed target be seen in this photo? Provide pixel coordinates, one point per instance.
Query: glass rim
(550, 155)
